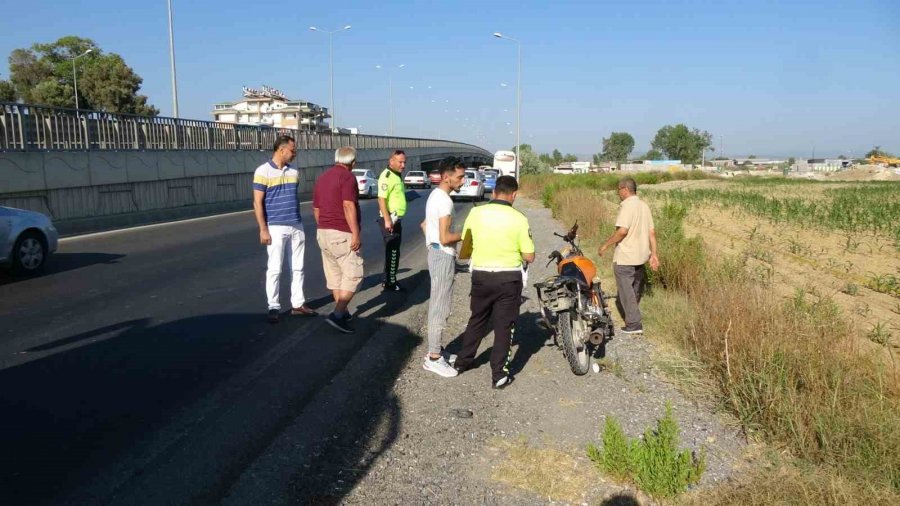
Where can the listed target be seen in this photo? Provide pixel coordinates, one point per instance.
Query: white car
(417, 179)
(366, 183)
(472, 188)
(26, 240)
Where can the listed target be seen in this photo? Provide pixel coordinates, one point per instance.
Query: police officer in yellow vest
(392, 207)
(501, 244)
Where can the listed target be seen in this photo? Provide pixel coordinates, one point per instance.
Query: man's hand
(388, 224)
(654, 262)
(602, 249)
(265, 238)
(355, 242)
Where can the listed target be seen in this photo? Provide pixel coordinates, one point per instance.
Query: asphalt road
(140, 369)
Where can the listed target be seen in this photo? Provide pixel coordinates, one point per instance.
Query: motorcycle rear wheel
(579, 361)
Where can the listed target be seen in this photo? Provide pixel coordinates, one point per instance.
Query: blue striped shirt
(281, 203)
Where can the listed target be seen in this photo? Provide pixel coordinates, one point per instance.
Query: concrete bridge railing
(90, 170)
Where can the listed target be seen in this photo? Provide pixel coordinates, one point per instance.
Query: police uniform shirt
(500, 235)
(393, 191)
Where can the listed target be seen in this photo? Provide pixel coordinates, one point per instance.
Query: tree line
(672, 142)
(43, 74)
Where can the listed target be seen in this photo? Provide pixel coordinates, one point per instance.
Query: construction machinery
(887, 161)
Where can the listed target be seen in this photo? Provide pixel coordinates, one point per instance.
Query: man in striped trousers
(441, 242)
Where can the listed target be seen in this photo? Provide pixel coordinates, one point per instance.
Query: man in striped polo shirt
(277, 210)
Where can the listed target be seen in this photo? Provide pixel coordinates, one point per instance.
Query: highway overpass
(91, 171)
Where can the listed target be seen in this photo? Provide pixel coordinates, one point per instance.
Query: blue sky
(771, 78)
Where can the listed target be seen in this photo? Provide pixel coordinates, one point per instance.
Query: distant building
(270, 107)
(653, 166)
(572, 168)
(721, 164)
(822, 165)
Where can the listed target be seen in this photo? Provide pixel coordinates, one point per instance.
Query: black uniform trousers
(495, 297)
(392, 242)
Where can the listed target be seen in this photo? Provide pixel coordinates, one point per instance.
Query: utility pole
(172, 59)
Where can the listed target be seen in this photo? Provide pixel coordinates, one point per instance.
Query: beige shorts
(343, 266)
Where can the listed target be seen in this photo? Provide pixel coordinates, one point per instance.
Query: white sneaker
(449, 357)
(440, 367)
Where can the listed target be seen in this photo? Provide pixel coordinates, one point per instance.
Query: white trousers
(295, 238)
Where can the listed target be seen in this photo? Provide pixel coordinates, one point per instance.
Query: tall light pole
(518, 96)
(391, 94)
(331, 68)
(75, 74)
(172, 60)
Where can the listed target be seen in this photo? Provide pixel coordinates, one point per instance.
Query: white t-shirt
(439, 204)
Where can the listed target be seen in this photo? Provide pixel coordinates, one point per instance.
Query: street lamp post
(331, 68)
(391, 94)
(172, 62)
(518, 95)
(75, 74)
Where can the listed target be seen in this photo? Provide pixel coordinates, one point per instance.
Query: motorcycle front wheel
(579, 360)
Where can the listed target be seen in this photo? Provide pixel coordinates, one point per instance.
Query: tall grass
(791, 371)
(546, 185)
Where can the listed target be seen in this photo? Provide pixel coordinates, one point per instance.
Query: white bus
(505, 162)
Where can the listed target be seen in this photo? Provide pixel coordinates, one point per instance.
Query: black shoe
(339, 323)
(272, 317)
(502, 383)
(395, 287)
(634, 331)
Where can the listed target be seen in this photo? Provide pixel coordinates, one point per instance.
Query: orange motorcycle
(573, 305)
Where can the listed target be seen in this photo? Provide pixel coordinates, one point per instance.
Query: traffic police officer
(501, 244)
(392, 207)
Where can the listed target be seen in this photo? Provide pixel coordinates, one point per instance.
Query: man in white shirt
(441, 243)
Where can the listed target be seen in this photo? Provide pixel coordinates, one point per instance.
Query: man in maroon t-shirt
(336, 209)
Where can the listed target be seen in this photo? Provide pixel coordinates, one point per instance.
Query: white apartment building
(270, 107)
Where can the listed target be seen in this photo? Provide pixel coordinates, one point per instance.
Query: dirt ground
(816, 261)
(525, 444)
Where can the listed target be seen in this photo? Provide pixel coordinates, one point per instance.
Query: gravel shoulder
(522, 445)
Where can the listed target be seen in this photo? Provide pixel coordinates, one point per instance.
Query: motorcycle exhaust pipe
(596, 338)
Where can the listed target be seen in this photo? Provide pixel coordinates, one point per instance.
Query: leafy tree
(7, 92)
(530, 162)
(653, 154)
(617, 146)
(570, 158)
(751, 157)
(681, 143)
(597, 158)
(791, 161)
(42, 74)
(877, 151)
(842, 157)
(557, 157)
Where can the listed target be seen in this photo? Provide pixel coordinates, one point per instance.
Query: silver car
(472, 188)
(26, 240)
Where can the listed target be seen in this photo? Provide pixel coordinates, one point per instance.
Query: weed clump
(654, 462)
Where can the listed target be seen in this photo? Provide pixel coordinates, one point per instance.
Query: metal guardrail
(25, 127)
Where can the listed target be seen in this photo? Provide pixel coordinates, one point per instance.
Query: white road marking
(156, 225)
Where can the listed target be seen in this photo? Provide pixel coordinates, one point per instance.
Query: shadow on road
(91, 397)
(62, 262)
